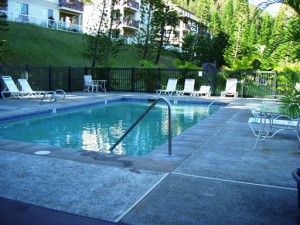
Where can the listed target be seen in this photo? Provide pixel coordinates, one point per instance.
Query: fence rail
(256, 83)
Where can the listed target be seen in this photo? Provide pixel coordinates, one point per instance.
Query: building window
(50, 13)
(24, 8)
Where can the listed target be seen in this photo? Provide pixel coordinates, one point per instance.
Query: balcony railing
(76, 5)
(59, 25)
(132, 23)
(133, 4)
(186, 27)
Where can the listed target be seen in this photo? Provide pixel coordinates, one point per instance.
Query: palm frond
(290, 104)
(293, 4)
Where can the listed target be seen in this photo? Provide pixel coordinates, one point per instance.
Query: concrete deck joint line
(141, 198)
(234, 181)
(236, 122)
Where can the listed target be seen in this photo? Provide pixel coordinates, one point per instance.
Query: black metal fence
(255, 83)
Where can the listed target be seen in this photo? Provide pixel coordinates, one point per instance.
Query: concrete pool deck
(214, 177)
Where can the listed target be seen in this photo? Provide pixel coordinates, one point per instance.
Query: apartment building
(73, 15)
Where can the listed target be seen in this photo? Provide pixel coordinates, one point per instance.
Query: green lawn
(38, 46)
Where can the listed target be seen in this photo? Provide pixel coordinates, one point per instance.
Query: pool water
(97, 128)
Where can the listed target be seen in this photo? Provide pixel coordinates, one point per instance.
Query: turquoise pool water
(97, 128)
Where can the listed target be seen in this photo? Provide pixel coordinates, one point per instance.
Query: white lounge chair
(25, 87)
(188, 87)
(297, 86)
(11, 89)
(90, 84)
(171, 87)
(204, 90)
(231, 86)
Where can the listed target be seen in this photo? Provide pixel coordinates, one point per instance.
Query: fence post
(50, 78)
(132, 79)
(185, 72)
(108, 78)
(1, 88)
(86, 70)
(275, 84)
(26, 72)
(69, 79)
(158, 79)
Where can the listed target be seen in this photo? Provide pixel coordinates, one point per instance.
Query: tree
(285, 39)
(238, 45)
(265, 31)
(99, 44)
(203, 11)
(3, 43)
(215, 24)
(201, 48)
(165, 20)
(144, 36)
(286, 27)
(160, 21)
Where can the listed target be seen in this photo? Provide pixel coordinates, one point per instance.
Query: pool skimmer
(42, 152)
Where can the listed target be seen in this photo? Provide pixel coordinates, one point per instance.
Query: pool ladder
(143, 115)
(53, 96)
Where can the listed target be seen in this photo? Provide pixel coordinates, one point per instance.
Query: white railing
(48, 23)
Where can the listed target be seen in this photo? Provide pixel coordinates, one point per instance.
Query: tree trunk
(160, 44)
(96, 44)
(147, 33)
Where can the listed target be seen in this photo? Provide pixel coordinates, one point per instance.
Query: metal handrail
(142, 116)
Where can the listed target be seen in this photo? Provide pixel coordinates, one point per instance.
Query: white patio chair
(203, 91)
(271, 126)
(188, 87)
(171, 87)
(11, 89)
(25, 87)
(231, 86)
(89, 84)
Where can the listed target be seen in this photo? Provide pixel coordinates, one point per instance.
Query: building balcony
(186, 27)
(132, 5)
(183, 14)
(42, 22)
(71, 5)
(130, 23)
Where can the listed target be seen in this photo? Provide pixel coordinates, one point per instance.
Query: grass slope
(38, 46)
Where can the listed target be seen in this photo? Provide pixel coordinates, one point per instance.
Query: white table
(270, 122)
(100, 84)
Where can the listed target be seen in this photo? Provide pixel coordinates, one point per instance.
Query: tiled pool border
(32, 113)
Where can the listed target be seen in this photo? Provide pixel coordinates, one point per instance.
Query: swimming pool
(98, 127)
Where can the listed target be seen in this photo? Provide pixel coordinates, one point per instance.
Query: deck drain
(42, 152)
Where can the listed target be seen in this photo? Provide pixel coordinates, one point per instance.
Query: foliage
(200, 48)
(100, 56)
(293, 4)
(291, 100)
(148, 76)
(160, 20)
(245, 63)
(185, 65)
(291, 104)
(100, 46)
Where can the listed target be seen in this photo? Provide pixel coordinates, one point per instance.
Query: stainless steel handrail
(142, 116)
(53, 96)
